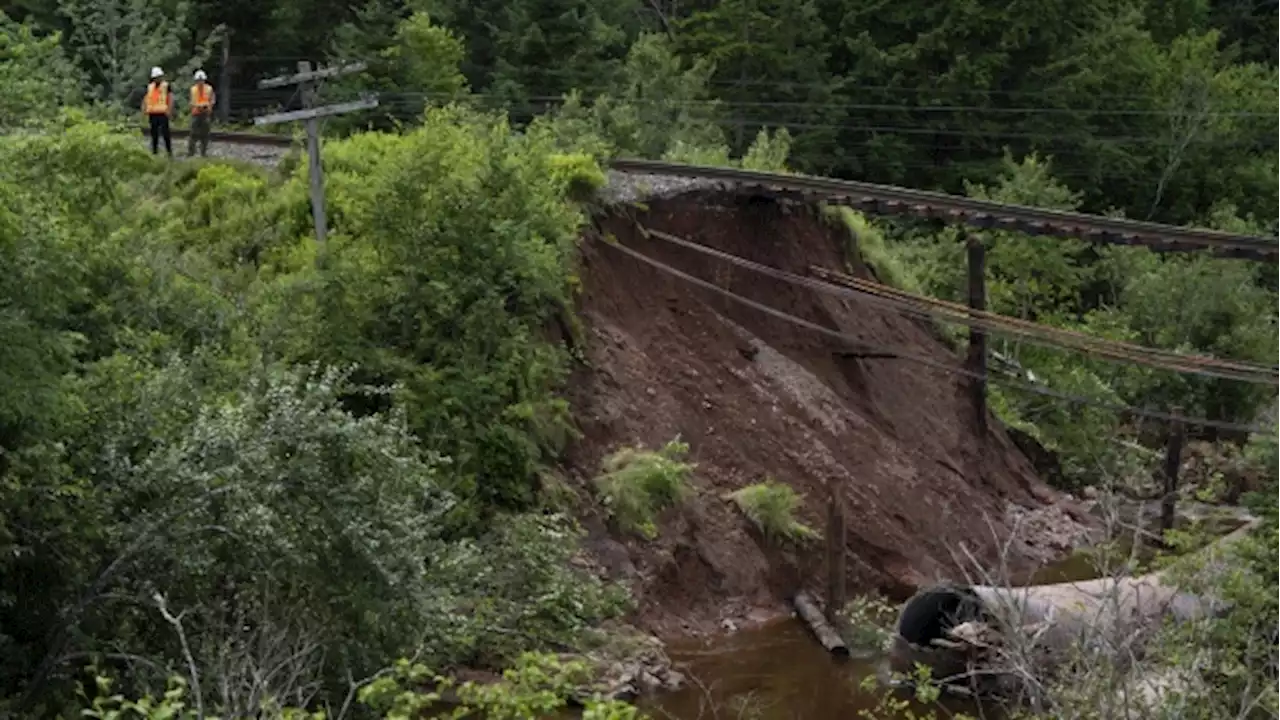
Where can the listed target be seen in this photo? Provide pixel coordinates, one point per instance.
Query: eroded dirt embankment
(756, 396)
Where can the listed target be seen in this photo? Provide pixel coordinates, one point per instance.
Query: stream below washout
(773, 672)
(778, 671)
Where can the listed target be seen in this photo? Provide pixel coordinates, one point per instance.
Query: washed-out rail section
(890, 200)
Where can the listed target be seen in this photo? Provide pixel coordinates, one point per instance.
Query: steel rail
(1036, 334)
(860, 348)
(1066, 336)
(890, 200)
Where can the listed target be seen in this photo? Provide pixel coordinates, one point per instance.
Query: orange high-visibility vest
(201, 98)
(157, 101)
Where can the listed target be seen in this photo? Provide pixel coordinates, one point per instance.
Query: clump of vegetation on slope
(772, 506)
(637, 483)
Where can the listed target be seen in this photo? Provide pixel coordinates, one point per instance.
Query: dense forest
(240, 473)
(1159, 110)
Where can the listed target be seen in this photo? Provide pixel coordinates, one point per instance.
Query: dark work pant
(200, 125)
(160, 127)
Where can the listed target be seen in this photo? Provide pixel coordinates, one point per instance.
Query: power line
(836, 86)
(934, 132)
(409, 102)
(714, 103)
(951, 369)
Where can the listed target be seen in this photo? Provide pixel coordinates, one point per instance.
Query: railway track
(238, 138)
(834, 283)
(891, 200)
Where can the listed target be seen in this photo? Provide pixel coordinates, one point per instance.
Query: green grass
(867, 240)
(772, 507)
(637, 484)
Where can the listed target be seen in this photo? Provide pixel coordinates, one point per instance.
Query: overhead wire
(713, 103)
(410, 100)
(842, 85)
(872, 353)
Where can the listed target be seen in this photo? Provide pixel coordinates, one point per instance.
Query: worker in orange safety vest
(157, 105)
(202, 99)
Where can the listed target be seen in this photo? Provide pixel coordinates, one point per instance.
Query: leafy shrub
(36, 76)
(59, 197)
(772, 507)
(536, 686)
(268, 514)
(452, 246)
(868, 623)
(517, 588)
(578, 173)
(768, 152)
(637, 483)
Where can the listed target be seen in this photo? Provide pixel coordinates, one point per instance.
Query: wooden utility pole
(306, 79)
(1172, 463)
(977, 360)
(836, 596)
(224, 79)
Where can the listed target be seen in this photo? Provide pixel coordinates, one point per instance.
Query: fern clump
(772, 507)
(637, 483)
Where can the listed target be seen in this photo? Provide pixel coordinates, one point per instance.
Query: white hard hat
(156, 72)
(200, 75)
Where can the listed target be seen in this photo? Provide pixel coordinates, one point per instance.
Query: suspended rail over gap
(890, 200)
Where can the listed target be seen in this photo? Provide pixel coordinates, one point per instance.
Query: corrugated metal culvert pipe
(956, 630)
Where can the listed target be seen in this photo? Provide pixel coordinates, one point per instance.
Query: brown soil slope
(756, 396)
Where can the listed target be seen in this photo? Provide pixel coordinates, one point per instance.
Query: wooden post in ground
(1172, 462)
(976, 362)
(836, 595)
(224, 80)
(314, 172)
(306, 79)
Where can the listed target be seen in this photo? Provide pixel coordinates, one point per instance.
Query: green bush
(772, 507)
(868, 623)
(172, 426)
(452, 246)
(637, 483)
(534, 687)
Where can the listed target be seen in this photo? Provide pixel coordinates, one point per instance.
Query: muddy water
(775, 672)
(779, 672)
